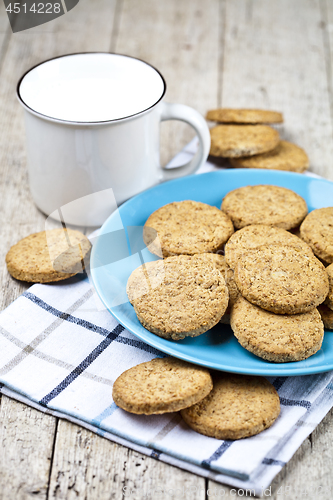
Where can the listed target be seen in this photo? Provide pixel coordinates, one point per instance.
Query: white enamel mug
(93, 127)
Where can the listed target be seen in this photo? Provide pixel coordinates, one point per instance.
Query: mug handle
(192, 117)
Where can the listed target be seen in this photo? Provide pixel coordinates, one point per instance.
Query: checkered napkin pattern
(60, 351)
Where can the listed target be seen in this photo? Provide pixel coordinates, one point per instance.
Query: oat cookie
(264, 204)
(232, 141)
(329, 298)
(285, 156)
(228, 274)
(256, 235)
(317, 231)
(48, 256)
(186, 227)
(281, 279)
(139, 281)
(276, 337)
(250, 116)
(239, 406)
(191, 299)
(327, 316)
(161, 385)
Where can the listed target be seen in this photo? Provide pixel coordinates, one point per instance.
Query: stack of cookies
(223, 406)
(245, 138)
(268, 284)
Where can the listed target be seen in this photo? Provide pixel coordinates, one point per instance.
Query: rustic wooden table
(241, 53)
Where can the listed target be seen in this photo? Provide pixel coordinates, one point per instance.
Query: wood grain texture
(26, 443)
(181, 39)
(274, 58)
(231, 52)
(90, 467)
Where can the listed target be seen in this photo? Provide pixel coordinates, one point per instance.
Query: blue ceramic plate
(117, 252)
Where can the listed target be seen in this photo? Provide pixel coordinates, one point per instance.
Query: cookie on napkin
(161, 385)
(48, 256)
(239, 406)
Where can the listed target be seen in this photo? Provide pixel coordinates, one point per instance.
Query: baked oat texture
(232, 141)
(329, 298)
(276, 337)
(281, 279)
(186, 227)
(161, 385)
(327, 316)
(245, 116)
(264, 204)
(48, 256)
(317, 231)
(256, 235)
(239, 406)
(187, 297)
(285, 156)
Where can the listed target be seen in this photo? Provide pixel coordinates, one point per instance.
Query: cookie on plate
(139, 281)
(48, 256)
(190, 300)
(186, 227)
(228, 274)
(256, 235)
(264, 204)
(239, 406)
(276, 337)
(232, 141)
(249, 116)
(326, 315)
(161, 385)
(329, 298)
(317, 231)
(285, 156)
(281, 279)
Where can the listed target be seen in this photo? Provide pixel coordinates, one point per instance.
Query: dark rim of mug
(69, 122)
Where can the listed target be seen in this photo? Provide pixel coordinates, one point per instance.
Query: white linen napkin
(60, 352)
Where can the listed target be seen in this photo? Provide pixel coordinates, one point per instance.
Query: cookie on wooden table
(264, 204)
(48, 256)
(239, 406)
(249, 116)
(329, 298)
(317, 231)
(281, 279)
(161, 385)
(186, 227)
(285, 156)
(190, 298)
(232, 141)
(276, 337)
(256, 235)
(326, 315)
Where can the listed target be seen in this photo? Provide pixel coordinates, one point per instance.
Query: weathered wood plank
(87, 27)
(87, 466)
(26, 442)
(274, 58)
(181, 39)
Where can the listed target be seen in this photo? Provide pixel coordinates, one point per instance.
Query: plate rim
(278, 369)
